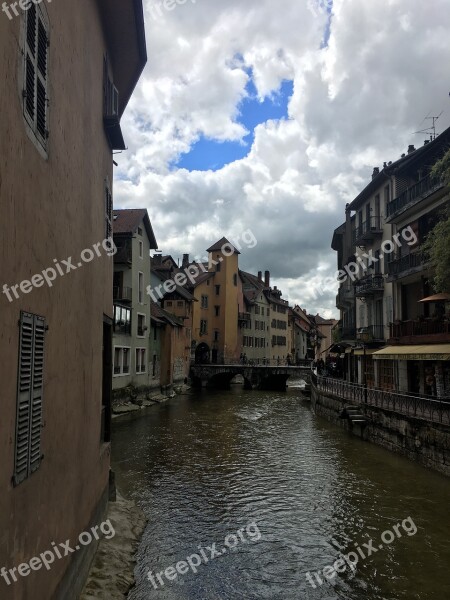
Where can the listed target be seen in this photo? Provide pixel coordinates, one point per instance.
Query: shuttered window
(29, 396)
(108, 213)
(35, 105)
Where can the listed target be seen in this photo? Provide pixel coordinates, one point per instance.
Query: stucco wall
(54, 208)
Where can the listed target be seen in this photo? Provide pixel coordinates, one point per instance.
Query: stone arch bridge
(255, 377)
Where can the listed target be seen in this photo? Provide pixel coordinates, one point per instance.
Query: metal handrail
(422, 407)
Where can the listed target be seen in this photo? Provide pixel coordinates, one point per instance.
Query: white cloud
(356, 104)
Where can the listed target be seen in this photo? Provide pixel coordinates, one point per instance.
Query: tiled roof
(161, 315)
(220, 244)
(126, 221)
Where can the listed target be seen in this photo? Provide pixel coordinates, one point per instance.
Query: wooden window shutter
(29, 396)
(30, 72)
(108, 213)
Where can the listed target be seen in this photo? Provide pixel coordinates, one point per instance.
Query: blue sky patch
(209, 154)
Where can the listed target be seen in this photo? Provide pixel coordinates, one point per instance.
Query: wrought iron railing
(419, 191)
(367, 229)
(421, 407)
(420, 327)
(369, 285)
(410, 261)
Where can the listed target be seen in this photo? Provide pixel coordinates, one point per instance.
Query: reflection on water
(204, 466)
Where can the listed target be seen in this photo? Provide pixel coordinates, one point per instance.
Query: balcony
(244, 318)
(369, 286)
(373, 333)
(413, 195)
(122, 294)
(368, 231)
(345, 297)
(346, 333)
(406, 265)
(421, 331)
(123, 256)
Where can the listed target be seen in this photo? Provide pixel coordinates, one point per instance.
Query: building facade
(57, 138)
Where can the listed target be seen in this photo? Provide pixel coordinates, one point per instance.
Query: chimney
(260, 275)
(275, 289)
(185, 261)
(376, 172)
(426, 142)
(411, 149)
(157, 259)
(384, 165)
(267, 279)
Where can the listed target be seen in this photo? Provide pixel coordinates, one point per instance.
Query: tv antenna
(432, 129)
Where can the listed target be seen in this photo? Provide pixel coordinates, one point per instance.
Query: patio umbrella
(437, 298)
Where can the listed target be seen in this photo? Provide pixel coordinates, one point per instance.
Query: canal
(281, 494)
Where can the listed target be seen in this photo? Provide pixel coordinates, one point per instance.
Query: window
(203, 327)
(122, 320)
(262, 310)
(140, 360)
(108, 212)
(235, 281)
(218, 266)
(169, 303)
(217, 310)
(180, 303)
(141, 249)
(121, 361)
(139, 230)
(216, 336)
(204, 301)
(217, 290)
(141, 287)
(27, 451)
(141, 328)
(35, 87)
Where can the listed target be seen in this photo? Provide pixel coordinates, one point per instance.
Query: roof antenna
(432, 129)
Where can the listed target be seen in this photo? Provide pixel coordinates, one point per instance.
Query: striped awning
(424, 352)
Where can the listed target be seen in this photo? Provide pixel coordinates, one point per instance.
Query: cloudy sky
(270, 115)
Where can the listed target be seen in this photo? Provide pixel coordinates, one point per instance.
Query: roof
(181, 291)
(123, 22)
(251, 286)
(162, 316)
(127, 220)
(217, 247)
(404, 163)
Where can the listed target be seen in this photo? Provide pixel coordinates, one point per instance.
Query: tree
(437, 244)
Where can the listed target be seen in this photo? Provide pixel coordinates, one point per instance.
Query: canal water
(279, 493)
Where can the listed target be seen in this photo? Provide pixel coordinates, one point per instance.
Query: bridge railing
(302, 364)
(429, 409)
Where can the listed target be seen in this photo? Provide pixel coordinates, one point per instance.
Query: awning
(428, 352)
(360, 351)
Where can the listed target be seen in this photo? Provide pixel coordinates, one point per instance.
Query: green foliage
(437, 247)
(441, 169)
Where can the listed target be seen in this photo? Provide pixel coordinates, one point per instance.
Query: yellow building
(217, 288)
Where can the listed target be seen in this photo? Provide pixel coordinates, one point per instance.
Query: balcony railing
(429, 409)
(372, 333)
(244, 317)
(420, 327)
(123, 294)
(369, 285)
(368, 230)
(414, 194)
(123, 255)
(405, 263)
